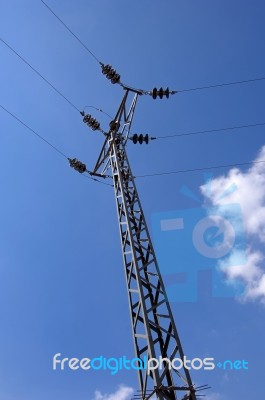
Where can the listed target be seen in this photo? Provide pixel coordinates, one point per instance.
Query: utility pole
(154, 331)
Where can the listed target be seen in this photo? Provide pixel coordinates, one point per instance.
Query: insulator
(110, 73)
(135, 138)
(113, 76)
(160, 93)
(87, 118)
(95, 126)
(81, 168)
(146, 139)
(140, 138)
(77, 165)
(90, 121)
(106, 69)
(154, 93)
(115, 79)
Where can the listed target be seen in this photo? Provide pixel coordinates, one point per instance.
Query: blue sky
(62, 284)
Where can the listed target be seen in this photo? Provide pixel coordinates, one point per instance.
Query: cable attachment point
(110, 73)
(141, 138)
(161, 93)
(114, 126)
(77, 165)
(90, 121)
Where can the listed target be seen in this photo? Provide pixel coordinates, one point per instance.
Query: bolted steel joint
(114, 125)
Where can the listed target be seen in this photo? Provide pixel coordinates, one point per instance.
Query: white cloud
(249, 271)
(122, 393)
(250, 195)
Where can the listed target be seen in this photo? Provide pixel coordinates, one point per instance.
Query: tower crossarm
(123, 119)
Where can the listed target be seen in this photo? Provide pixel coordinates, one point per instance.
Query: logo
(191, 240)
(114, 365)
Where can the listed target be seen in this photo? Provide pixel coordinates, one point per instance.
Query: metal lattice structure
(154, 331)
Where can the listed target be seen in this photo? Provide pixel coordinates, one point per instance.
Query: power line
(161, 92)
(221, 85)
(96, 180)
(201, 169)
(47, 142)
(147, 92)
(72, 33)
(32, 130)
(99, 109)
(48, 82)
(211, 130)
(154, 93)
(137, 176)
(39, 74)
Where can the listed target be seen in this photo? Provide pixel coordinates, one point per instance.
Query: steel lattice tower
(153, 326)
(154, 331)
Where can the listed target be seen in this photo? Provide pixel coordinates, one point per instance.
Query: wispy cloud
(250, 194)
(122, 393)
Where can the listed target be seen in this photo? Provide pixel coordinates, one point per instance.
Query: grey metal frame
(154, 330)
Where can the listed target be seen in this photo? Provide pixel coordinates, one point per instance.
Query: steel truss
(154, 331)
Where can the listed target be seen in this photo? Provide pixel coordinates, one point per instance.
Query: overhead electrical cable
(47, 142)
(33, 131)
(154, 92)
(137, 176)
(211, 167)
(161, 93)
(47, 81)
(221, 85)
(96, 180)
(211, 130)
(39, 74)
(100, 110)
(72, 33)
